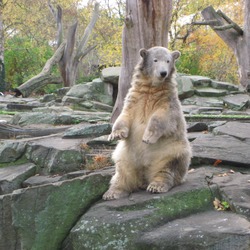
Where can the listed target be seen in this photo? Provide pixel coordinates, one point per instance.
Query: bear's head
(158, 64)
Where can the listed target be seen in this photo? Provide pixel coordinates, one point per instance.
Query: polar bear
(153, 152)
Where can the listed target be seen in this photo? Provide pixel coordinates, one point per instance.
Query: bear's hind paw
(112, 194)
(158, 187)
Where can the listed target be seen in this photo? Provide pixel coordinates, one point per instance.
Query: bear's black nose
(163, 73)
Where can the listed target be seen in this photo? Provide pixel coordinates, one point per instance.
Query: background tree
(66, 55)
(234, 36)
(146, 25)
(2, 66)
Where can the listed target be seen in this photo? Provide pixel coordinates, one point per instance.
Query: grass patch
(218, 117)
(3, 112)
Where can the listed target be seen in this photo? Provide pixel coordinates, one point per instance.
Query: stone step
(12, 177)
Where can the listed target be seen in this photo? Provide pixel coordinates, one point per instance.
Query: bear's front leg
(120, 129)
(154, 130)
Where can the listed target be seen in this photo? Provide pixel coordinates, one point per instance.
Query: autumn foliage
(30, 34)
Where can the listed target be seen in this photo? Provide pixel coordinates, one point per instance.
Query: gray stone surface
(165, 221)
(196, 126)
(185, 87)
(200, 81)
(42, 216)
(84, 131)
(237, 102)
(111, 75)
(228, 149)
(240, 130)
(11, 177)
(210, 92)
(55, 118)
(11, 150)
(56, 155)
(53, 204)
(210, 230)
(40, 180)
(95, 90)
(224, 85)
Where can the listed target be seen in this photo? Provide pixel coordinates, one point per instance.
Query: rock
(55, 118)
(81, 91)
(120, 223)
(100, 141)
(237, 102)
(10, 150)
(56, 155)
(215, 124)
(71, 99)
(224, 85)
(225, 148)
(40, 180)
(102, 106)
(200, 81)
(96, 90)
(234, 187)
(111, 75)
(210, 230)
(238, 130)
(62, 91)
(203, 101)
(7, 233)
(22, 107)
(43, 215)
(183, 218)
(24, 119)
(210, 92)
(196, 126)
(185, 87)
(84, 131)
(205, 110)
(12, 177)
(48, 98)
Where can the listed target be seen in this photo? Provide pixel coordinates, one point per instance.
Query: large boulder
(40, 217)
(11, 150)
(96, 90)
(183, 218)
(56, 155)
(111, 75)
(225, 148)
(185, 87)
(237, 102)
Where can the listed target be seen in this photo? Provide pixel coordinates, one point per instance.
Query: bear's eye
(155, 60)
(168, 61)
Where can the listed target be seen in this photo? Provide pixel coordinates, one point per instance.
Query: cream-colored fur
(153, 152)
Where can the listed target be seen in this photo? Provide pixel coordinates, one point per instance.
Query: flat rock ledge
(183, 218)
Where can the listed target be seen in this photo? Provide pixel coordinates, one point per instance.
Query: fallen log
(44, 77)
(8, 131)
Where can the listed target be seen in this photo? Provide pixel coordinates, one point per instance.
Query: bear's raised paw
(118, 134)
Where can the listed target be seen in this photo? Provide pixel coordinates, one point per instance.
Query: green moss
(125, 223)
(18, 162)
(44, 215)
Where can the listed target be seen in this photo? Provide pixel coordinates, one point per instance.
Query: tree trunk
(237, 39)
(66, 56)
(146, 25)
(68, 65)
(2, 68)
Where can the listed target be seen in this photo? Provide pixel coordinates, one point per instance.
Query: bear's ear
(143, 53)
(176, 54)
